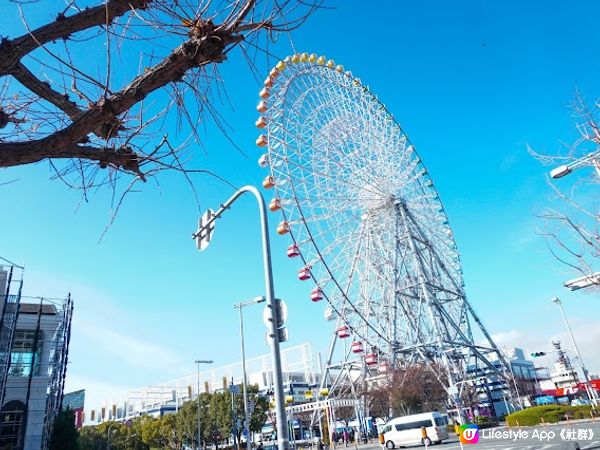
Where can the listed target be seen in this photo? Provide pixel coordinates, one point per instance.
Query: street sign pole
(282, 428)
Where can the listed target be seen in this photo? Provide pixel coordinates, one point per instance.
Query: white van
(407, 430)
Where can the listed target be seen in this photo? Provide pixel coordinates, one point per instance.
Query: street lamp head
(260, 299)
(560, 171)
(556, 300)
(203, 361)
(583, 282)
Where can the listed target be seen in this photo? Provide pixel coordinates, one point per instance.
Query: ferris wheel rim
(303, 216)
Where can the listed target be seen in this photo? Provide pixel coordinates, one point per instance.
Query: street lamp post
(108, 436)
(198, 362)
(586, 376)
(203, 236)
(240, 306)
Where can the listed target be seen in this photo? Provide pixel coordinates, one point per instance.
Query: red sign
(574, 388)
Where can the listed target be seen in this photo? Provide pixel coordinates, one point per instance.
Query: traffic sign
(234, 389)
(282, 334)
(205, 230)
(281, 313)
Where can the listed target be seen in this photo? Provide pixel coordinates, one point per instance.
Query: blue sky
(472, 83)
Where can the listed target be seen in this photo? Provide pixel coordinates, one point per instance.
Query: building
(525, 376)
(564, 375)
(494, 396)
(34, 337)
(75, 401)
(564, 385)
(300, 375)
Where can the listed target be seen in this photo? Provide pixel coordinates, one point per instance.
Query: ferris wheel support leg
(401, 211)
(505, 364)
(323, 382)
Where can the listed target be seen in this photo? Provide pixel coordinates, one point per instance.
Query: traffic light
(538, 354)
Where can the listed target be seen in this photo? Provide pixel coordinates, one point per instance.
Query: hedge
(549, 414)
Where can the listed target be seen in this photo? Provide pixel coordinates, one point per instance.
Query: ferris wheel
(365, 220)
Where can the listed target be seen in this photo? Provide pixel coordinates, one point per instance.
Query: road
(526, 438)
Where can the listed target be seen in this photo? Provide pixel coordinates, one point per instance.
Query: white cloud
(111, 351)
(517, 338)
(128, 350)
(587, 337)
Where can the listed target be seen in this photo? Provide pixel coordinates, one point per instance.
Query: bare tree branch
(572, 228)
(109, 124)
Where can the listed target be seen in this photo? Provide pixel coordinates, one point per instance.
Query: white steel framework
(298, 365)
(368, 226)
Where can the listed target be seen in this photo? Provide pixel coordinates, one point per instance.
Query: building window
(11, 425)
(24, 358)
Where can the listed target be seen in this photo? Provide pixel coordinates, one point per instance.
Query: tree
(377, 398)
(90, 438)
(258, 416)
(172, 431)
(133, 440)
(152, 433)
(219, 419)
(415, 389)
(64, 433)
(71, 95)
(572, 227)
(187, 420)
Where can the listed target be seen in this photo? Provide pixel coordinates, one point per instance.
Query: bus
(426, 428)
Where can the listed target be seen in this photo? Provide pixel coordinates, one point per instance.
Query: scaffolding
(57, 365)
(11, 284)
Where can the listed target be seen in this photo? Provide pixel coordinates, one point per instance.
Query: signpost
(203, 237)
(206, 227)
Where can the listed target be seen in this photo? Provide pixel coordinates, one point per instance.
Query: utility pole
(198, 362)
(586, 376)
(247, 412)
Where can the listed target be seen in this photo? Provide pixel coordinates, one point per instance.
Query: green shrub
(488, 424)
(547, 414)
